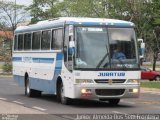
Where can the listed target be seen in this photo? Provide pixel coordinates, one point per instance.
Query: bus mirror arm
(142, 48)
(65, 48)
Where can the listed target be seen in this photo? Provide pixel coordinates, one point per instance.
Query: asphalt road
(148, 102)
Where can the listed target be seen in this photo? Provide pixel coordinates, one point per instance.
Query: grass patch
(1, 65)
(153, 84)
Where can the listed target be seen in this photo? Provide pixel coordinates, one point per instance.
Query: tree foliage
(10, 15)
(144, 13)
(43, 9)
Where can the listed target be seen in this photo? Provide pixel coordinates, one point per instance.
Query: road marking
(3, 99)
(124, 101)
(68, 117)
(39, 108)
(117, 112)
(18, 102)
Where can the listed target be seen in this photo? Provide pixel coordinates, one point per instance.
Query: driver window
(68, 45)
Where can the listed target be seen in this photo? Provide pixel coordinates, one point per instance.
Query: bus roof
(59, 22)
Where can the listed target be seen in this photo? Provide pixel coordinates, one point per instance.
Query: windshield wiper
(101, 61)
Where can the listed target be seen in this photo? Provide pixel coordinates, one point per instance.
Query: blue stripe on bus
(121, 24)
(36, 83)
(103, 23)
(42, 85)
(40, 26)
(19, 79)
(34, 60)
(17, 59)
(58, 68)
(43, 60)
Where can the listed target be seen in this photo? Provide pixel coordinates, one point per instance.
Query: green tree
(156, 31)
(144, 13)
(43, 9)
(10, 15)
(83, 8)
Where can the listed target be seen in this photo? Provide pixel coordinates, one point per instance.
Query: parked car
(148, 74)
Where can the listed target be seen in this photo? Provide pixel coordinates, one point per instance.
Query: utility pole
(15, 24)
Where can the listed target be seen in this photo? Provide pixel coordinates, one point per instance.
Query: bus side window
(36, 40)
(27, 41)
(15, 42)
(57, 39)
(45, 42)
(20, 42)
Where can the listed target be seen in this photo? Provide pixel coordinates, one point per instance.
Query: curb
(150, 89)
(6, 75)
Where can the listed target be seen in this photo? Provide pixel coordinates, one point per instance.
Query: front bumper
(103, 91)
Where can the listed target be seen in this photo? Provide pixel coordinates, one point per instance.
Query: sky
(22, 2)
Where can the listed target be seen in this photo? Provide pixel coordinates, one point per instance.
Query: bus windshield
(105, 48)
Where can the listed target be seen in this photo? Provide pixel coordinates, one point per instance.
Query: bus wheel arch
(25, 82)
(58, 82)
(28, 91)
(60, 92)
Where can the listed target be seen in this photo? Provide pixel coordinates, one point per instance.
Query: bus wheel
(30, 92)
(114, 102)
(64, 100)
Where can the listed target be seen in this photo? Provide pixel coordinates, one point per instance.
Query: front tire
(31, 92)
(64, 100)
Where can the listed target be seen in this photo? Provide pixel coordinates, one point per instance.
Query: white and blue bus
(74, 58)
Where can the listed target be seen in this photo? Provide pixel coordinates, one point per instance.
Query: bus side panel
(68, 81)
(42, 85)
(58, 69)
(18, 69)
(19, 80)
(48, 86)
(40, 68)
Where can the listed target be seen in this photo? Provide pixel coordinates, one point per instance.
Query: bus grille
(109, 92)
(107, 80)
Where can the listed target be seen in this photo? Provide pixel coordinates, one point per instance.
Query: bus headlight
(81, 81)
(135, 90)
(133, 81)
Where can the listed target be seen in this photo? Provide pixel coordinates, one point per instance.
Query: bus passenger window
(45, 42)
(36, 40)
(27, 41)
(57, 39)
(20, 42)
